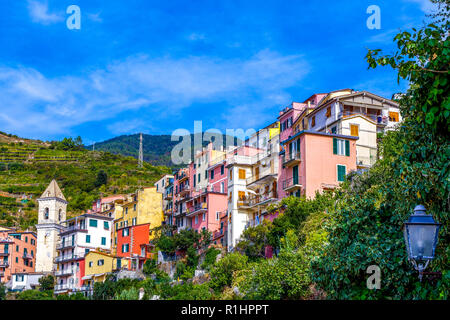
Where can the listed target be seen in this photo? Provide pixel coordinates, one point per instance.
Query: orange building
(133, 246)
(17, 252)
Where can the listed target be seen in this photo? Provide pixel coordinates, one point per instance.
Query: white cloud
(39, 13)
(425, 5)
(34, 104)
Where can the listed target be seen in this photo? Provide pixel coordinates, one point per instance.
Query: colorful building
(80, 235)
(17, 253)
(96, 266)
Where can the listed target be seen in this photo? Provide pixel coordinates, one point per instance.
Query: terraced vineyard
(28, 166)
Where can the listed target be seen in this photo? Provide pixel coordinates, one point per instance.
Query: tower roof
(53, 191)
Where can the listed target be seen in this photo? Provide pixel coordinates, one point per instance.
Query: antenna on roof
(141, 153)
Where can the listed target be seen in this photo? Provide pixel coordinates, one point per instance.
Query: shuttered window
(340, 173)
(354, 130)
(341, 147)
(241, 174)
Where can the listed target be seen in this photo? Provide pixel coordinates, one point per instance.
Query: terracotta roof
(53, 191)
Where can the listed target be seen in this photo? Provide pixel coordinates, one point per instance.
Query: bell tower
(52, 211)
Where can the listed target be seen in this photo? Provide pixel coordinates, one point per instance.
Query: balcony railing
(4, 254)
(66, 244)
(65, 286)
(27, 256)
(74, 228)
(6, 241)
(68, 258)
(291, 183)
(66, 272)
(379, 119)
(253, 200)
(183, 176)
(262, 176)
(289, 158)
(4, 264)
(197, 208)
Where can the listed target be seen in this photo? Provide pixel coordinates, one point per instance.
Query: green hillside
(28, 166)
(157, 148)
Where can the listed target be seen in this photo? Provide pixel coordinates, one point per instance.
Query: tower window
(46, 213)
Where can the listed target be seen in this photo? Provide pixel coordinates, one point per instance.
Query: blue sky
(155, 66)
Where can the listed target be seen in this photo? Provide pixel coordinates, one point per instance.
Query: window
(241, 174)
(341, 147)
(100, 262)
(86, 251)
(195, 180)
(217, 215)
(126, 210)
(206, 174)
(212, 174)
(125, 232)
(133, 221)
(17, 259)
(105, 225)
(341, 171)
(333, 130)
(19, 278)
(313, 121)
(103, 241)
(199, 177)
(88, 238)
(231, 174)
(222, 170)
(93, 223)
(46, 213)
(354, 130)
(393, 116)
(59, 215)
(134, 207)
(90, 264)
(17, 248)
(328, 114)
(222, 187)
(196, 219)
(125, 248)
(204, 217)
(26, 239)
(241, 195)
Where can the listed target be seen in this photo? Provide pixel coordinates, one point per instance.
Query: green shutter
(347, 148)
(334, 146)
(340, 173)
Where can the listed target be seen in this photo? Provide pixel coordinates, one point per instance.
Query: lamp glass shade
(421, 240)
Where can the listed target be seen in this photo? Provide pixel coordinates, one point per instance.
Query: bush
(47, 283)
(35, 295)
(210, 258)
(222, 271)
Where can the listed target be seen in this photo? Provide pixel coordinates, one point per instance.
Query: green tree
(222, 271)
(366, 228)
(47, 283)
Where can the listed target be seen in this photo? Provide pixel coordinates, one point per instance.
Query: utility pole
(141, 153)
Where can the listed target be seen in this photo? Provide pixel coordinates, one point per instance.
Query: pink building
(315, 161)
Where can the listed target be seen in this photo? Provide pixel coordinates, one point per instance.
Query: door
(295, 175)
(257, 173)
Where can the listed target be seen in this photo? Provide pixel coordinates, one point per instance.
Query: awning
(88, 277)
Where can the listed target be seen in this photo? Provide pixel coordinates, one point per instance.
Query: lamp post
(421, 236)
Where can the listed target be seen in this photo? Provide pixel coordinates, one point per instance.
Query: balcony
(65, 273)
(64, 245)
(4, 264)
(66, 258)
(6, 241)
(198, 208)
(291, 159)
(4, 254)
(64, 287)
(291, 184)
(378, 119)
(184, 190)
(257, 200)
(183, 177)
(81, 228)
(261, 177)
(168, 195)
(27, 256)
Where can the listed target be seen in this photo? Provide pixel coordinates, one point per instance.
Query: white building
(26, 281)
(80, 235)
(52, 211)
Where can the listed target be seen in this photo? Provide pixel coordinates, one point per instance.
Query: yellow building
(142, 207)
(97, 265)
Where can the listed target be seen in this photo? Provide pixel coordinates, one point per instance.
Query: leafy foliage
(47, 283)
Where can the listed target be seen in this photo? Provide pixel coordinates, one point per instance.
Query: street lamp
(421, 237)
